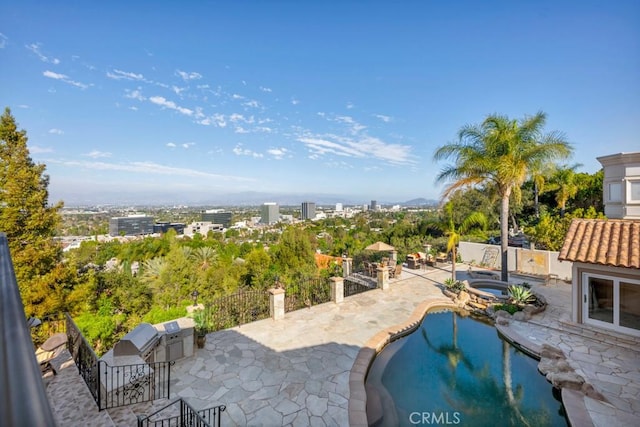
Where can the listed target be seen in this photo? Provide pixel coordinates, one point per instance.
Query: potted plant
(201, 327)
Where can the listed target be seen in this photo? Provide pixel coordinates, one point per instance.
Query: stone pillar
(337, 289)
(394, 257)
(347, 266)
(383, 278)
(276, 303)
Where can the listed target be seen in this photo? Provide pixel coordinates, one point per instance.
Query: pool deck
(308, 368)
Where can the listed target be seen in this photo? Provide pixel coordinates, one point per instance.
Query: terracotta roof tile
(606, 242)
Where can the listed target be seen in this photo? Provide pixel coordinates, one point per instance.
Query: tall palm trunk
(504, 236)
(536, 193)
(453, 263)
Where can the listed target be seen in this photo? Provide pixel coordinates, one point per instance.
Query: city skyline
(342, 100)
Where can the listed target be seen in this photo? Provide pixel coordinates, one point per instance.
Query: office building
(374, 205)
(132, 225)
(217, 216)
(163, 227)
(270, 213)
(338, 207)
(308, 210)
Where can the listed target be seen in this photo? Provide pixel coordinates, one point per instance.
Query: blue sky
(186, 101)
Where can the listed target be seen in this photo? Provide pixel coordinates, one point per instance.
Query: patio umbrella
(380, 246)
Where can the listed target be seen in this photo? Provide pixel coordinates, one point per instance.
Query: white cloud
(95, 154)
(294, 101)
(236, 96)
(35, 48)
(171, 145)
(186, 145)
(240, 129)
(3, 40)
(23, 106)
(253, 104)
(188, 76)
(216, 120)
(350, 105)
(120, 75)
(159, 100)
(56, 131)
(133, 108)
(64, 78)
(178, 90)
(152, 168)
(360, 147)
(134, 94)
(382, 117)
(265, 89)
(239, 151)
(39, 150)
(278, 153)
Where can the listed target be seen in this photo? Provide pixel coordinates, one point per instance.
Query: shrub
(521, 295)
(509, 308)
(453, 285)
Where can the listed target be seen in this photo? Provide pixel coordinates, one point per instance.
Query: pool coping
(572, 400)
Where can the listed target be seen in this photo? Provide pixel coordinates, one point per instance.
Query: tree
(27, 218)
(500, 152)
(476, 220)
(563, 181)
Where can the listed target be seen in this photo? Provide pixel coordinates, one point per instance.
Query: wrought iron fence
(114, 386)
(130, 384)
(355, 285)
(84, 357)
(187, 416)
(236, 309)
(49, 325)
(306, 293)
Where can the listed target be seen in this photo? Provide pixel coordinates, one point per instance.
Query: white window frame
(631, 183)
(616, 303)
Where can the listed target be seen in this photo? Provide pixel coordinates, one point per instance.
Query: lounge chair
(49, 350)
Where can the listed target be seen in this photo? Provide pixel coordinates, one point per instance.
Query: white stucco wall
(519, 259)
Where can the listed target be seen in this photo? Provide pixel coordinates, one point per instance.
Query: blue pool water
(456, 370)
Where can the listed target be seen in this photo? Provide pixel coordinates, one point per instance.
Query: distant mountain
(246, 198)
(420, 202)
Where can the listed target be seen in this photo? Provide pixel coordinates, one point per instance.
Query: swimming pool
(457, 370)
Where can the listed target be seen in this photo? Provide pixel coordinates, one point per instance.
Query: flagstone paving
(296, 371)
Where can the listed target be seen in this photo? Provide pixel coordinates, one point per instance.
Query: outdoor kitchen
(140, 352)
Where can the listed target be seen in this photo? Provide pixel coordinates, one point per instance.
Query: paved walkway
(296, 371)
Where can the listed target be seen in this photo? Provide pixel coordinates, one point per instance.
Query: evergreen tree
(29, 222)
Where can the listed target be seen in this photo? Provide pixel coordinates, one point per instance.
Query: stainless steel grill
(173, 341)
(141, 341)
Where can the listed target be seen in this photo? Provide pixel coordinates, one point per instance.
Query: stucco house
(606, 253)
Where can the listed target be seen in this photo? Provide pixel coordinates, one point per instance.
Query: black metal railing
(187, 416)
(48, 326)
(306, 293)
(130, 384)
(236, 309)
(114, 386)
(24, 399)
(84, 357)
(356, 285)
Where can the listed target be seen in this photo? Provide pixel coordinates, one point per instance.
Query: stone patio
(301, 370)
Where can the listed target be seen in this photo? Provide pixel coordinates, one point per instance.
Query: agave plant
(520, 294)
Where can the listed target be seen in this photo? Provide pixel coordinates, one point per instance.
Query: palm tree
(539, 176)
(501, 152)
(476, 220)
(564, 182)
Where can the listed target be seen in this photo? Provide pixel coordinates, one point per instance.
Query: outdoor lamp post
(194, 295)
